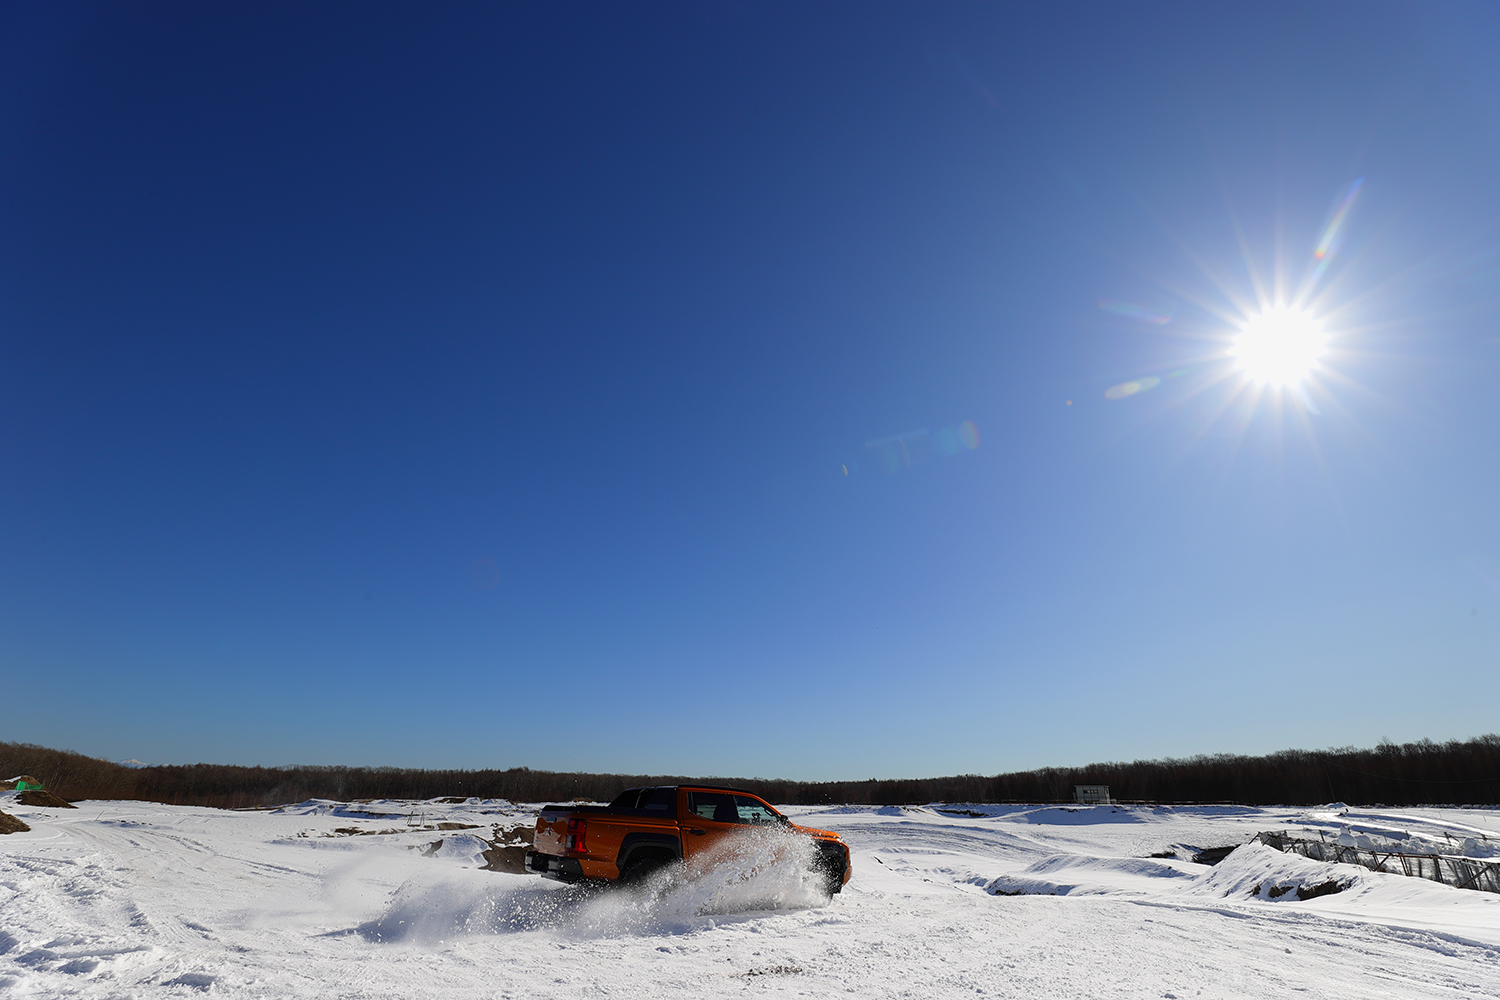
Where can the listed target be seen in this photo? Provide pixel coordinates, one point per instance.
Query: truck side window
(722, 807)
(713, 805)
(752, 811)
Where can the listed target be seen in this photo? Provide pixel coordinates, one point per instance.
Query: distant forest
(1456, 772)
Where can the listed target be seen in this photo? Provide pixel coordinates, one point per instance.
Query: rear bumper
(552, 866)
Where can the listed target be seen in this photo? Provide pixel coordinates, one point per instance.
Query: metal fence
(1459, 872)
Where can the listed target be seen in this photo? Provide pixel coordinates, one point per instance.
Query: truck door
(712, 821)
(709, 820)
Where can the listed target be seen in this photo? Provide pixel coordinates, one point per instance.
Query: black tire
(641, 866)
(830, 866)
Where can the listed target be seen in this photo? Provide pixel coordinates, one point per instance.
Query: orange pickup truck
(645, 829)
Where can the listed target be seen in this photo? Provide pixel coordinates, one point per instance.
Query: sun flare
(1280, 347)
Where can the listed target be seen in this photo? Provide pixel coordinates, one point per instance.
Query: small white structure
(1091, 795)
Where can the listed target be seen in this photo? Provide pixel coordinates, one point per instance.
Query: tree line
(1424, 772)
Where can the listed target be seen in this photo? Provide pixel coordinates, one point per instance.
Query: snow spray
(761, 870)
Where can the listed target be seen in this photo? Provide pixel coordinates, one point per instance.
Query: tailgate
(551, 828)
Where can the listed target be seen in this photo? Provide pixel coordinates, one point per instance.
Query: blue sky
(476, 386)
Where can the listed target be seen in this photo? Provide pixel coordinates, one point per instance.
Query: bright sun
(1281, 346)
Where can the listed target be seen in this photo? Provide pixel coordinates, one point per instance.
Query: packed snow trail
(124, 899)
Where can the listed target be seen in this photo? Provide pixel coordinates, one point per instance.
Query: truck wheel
(830, 868)
(641, 867)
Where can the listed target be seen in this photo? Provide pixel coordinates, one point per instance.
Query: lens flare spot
(1279, 347)
(1330, 241)
(1131, 388)
(914, 448)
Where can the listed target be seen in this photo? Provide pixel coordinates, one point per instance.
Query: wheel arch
(659, 844)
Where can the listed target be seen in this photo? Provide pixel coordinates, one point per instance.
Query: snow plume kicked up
(758, 870)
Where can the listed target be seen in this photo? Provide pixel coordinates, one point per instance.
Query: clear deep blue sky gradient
(474, 385)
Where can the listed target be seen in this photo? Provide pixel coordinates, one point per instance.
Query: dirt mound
(507, 850)
(9, 824)
(42, 797)
(505, 859)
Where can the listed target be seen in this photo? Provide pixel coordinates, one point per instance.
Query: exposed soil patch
(9, 824)
(1321, 889)
(42, 797)
(351, 831)
(1213, 855)
(505, 859)
(507, 850)
(1304, 892)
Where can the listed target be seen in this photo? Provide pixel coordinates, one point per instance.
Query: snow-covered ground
(128, 899)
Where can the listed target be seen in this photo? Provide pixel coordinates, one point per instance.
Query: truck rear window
(660, 801)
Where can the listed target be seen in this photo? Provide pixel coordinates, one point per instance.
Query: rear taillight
(577, 830)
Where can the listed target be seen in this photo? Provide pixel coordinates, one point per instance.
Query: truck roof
(702, 786)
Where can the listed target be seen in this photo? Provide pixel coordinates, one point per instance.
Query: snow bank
(1081, 815)
(461, 847)
(1468, 847)
(412, 811)
(1066, 874)
(1260, 872)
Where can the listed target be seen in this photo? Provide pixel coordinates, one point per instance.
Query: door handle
(698, 832)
